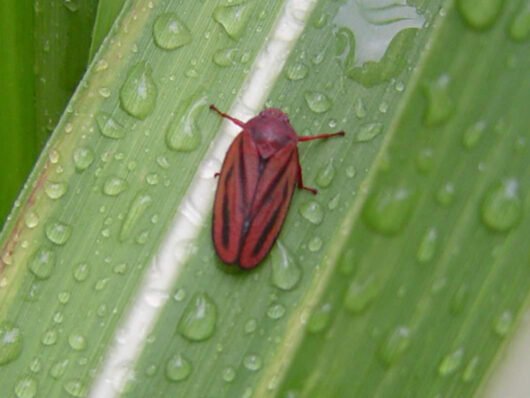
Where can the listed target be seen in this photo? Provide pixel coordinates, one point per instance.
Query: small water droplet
(317, 101)
(503, 323)
(113, 186)
(276, 311)
(138, 93)
(229, 374)
(312, 211)
(479, 14)
(252, 362)
(183, 133)
(178, 368)
(320, 318)
(425, 160)
(49, 337)
(250, 326)
(286, 272)
(297, 71)
(350, 171)
(501, 208)
(361, 294)
(395, 345)
(427, 246)
(334, 202)
(369, 131)
(233, 18)
(72, 5)
(81, 272)
(446, 194)
(326, 174)
(519, 29)
(170, 32)
(226, 56)
(58, 232)
(76, 388)
(55, 190)
(58, 369)
(473, 134)
(10, 342)
(388, 209)
(440, 106)
(315, 244)
(451, 362)
(198, 321)
(136, 210)
(42, 263)
(360, 108)
(31, 220)
(26, 387)
(470, 372)
(83, 158)
(109, 127)
(77, 342)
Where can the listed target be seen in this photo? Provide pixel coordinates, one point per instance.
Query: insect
(256, 185)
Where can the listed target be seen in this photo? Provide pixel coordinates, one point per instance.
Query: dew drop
(42, 263)
(440, 106)
(479, 14)
(183, 133)
(276, 311)
(226, 57)
(312, 211)
(315, 244)
(76, 388)
(446, 194)
(451, 362)
(49, 337)
(10, 342)
(178, 368)
(503, 323)
(109, 127)
(72, 5)
(113, 186)
(361, 294)
(519, 29)
(170, 32)
(229, 374)
(320, 318)
(58, 232)
(395, 345)
(252, 362)
(55, 190)
(31, 220)
(326, 174)
(360, 108)
(470, 372)
(81, 272)
(368, 132)
(198, 321)
(26, 387)
(77, 342)
(427, 246)
(136, 210)
(425, 160)
(250, 326)
(233, 18)
(459, 299)
(334, 202)
(388, 209)
(501, 208)
(473, 134)
(138, 93)
(58, 369)
(286, 272)
(83, 158)
(317, 102)
(297, 71)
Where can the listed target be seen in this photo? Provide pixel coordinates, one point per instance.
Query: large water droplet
(138, 93)
(325, 174)
(58, 232)
(368, 132)
(252, 362)
(312, 211)
(109, 127)
(318, 102)
(10, 342)
(519, 29)
(137, 208)
(178, 368)
(427, 246)
(183, 133)
(55, 190)
(76, 388)
(199, 318)
(170, 32)
(42, 263)
(113, 186)
(388, 209)
(440, 105)
(451, 362)
(320, 318)
(361, 293)
(286, 272)
(83, 158)
(26, 387)
(480, 14)
(395, 345)
(233, 18)
(501, 208)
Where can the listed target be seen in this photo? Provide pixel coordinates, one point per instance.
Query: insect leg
(320, 136)
(227, 116)
(301, 180)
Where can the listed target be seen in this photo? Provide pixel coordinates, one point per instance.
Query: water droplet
(361, 294)
(83, 158)
(473, 134)
(470, 372)
(446, 194)
(369, 131)
(10, 342)
(49, 337)
(252, 362)
(137, 208)
(81, 272)
(440, 106)
(26, 387)
(519, 28)
(42, 263)
(58, 232)
(317, 102)
(77, 341)
(229, 374)
(502, 207)
(76, 388)
(183, 133)
(276, 311)
(320, 318)
(109, 127)
(427, 246)
(388, 209)
(315, 244)
(425, 160)
(226, 57)
(178, 368)
(480, 14)
(138, 93)
(250, 326)
(395, 345)
(199, 318)
(58, 369)
(233, 18)
(72, 5)
(312, 211)
(113, 186)
(170, 32)
(286, 272)
(325, 174)
(451, 362)
(297, 71)
(360, 108)
(31, 220)
(459, 299)
(334, 202)
(55, 190)
(503, 323)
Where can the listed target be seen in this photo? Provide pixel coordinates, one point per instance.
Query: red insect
(256, 184)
